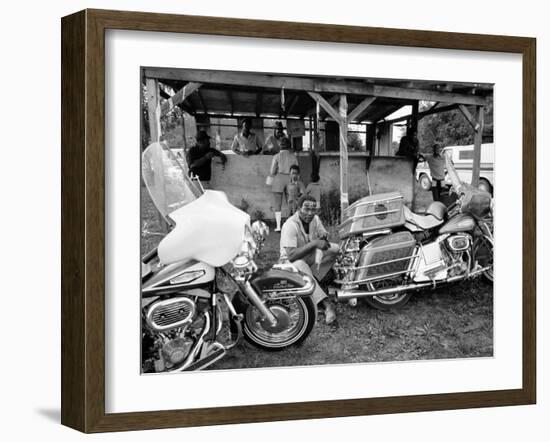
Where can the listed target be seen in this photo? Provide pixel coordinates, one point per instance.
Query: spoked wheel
(425, 182)
(295, 320)
(386, 302)
(483, 253)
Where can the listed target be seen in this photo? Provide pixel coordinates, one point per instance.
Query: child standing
(314, 189)
(294, 189)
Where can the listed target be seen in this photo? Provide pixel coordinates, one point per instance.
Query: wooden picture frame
(83, 220)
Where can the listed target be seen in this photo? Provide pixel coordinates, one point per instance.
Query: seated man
(303, 236)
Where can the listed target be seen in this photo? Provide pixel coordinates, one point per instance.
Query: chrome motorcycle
(201, 289)
(388, 252)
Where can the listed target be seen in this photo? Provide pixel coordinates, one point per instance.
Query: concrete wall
(243, 179)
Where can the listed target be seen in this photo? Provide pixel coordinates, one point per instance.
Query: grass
(447, 323)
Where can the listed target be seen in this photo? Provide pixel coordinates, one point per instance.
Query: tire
(483, 253)
(388, 302)
(301, 313)
(425, 182)
(485, 185)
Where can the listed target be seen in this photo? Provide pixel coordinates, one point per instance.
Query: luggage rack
(351, 270)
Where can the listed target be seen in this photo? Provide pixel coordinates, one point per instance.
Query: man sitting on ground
(303, 236)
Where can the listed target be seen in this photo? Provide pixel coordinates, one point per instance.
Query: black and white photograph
(292, 220)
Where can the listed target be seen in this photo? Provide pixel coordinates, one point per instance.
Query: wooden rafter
(469, 117)
(312, 85)
(425, 113)
(325, 105)
(179, 97)
(312, 111)
(292, 104)
(360, 108)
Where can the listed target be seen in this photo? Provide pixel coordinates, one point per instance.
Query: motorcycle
(201, 289)
(388, 252)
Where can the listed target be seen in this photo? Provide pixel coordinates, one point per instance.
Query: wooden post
(344, 184)
(414, 117)
(479, 119)
(153, 106)
(316, 129)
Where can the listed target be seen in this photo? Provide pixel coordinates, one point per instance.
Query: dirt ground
(450, 322)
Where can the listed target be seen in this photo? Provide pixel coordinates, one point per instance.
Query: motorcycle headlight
(241, 261)
(248, 248)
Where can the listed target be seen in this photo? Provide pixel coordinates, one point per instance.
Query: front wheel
(483, 254)
(425, 182)
(296, 318)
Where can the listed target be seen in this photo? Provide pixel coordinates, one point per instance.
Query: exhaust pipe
(345, 295)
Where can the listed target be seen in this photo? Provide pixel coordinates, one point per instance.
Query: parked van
(463, 159)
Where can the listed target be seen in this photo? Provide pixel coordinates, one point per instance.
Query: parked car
(463, 158)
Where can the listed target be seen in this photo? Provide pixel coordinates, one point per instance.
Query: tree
(450, 128)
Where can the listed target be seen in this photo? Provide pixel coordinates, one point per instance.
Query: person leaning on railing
(246, 142)
(200, 157)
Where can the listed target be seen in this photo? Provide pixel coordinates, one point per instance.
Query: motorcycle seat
(415, 222)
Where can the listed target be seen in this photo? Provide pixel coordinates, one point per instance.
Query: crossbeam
(325, 105)
(179, 97)
(468, 117)
(423, 114)
(333, 100)
(360, 108)
(338, 86)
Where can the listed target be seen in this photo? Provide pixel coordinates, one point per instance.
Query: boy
(294, 189)
(314, 189)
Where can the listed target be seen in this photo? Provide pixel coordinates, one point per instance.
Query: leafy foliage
(450, 128)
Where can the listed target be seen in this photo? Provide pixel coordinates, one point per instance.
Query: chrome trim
(344, 295)
(384, 262)
(376, 232)
(364, 203)
(365, 215)
(307, 289)
(237, 319)
(167, 303)
(193, 353)
(258, 303)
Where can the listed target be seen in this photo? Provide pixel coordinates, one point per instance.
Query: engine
(170, 329)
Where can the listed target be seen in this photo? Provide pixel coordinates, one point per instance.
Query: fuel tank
(178, 276)
(459, 223)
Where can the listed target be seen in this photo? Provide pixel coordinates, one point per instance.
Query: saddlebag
(388, 256)
(373, 213)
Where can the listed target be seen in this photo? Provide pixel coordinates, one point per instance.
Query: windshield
(166, 178)
(458, 185)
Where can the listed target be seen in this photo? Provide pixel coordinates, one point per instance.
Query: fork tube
(258, 303)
